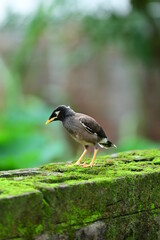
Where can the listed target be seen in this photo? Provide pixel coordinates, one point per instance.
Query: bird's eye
(57, 113)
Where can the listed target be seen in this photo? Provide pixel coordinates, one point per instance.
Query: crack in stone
(134, 213)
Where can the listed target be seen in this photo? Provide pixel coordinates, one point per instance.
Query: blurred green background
(101, 57)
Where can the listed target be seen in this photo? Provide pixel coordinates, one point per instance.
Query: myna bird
(83, 128)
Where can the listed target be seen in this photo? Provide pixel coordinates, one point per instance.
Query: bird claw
(88, 165)
(84, 165)
(91, 165)
(77, 164)
(80, 164)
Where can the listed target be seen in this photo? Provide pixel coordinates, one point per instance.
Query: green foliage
(35, 28)
(124, 30)
(136, 142)
(25, 141)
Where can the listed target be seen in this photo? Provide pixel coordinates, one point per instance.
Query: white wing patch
(104, 140)
(88, 129)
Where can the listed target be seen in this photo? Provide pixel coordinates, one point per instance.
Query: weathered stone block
(119, 198)
(96, 230)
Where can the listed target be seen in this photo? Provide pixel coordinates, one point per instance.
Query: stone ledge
(119, 198)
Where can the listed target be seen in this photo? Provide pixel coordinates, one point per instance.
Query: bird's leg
(81, 157)
(94, 156)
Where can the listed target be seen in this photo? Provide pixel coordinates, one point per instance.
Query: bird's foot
(91, 165)
(87, 165)
(78, 164)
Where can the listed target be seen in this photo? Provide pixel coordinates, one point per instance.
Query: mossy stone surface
(121, 190)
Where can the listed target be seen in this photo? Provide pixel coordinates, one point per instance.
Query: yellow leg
(81, 157)
(94, 156)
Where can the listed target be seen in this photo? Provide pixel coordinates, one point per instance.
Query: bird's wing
(91, 126)
(86, 126)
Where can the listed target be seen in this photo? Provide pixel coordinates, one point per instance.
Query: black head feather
(61, 112)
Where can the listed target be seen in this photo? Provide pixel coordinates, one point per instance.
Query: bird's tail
(107, 144)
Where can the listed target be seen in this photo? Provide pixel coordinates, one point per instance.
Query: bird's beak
(50, 120)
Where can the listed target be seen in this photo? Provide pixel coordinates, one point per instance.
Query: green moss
(156, 161)
(13, 188)
(127, 163)
(152, 206)
(63, 197)
(20, 215)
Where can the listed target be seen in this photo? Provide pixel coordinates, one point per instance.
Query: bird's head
(60, 113)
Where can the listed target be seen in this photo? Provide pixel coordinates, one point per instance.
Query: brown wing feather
(91, 125)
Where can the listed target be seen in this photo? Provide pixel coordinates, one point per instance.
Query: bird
(83, 129)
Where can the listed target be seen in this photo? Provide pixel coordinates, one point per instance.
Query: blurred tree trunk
(151, 104)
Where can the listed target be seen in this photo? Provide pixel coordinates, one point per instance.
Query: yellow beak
(50, 120)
